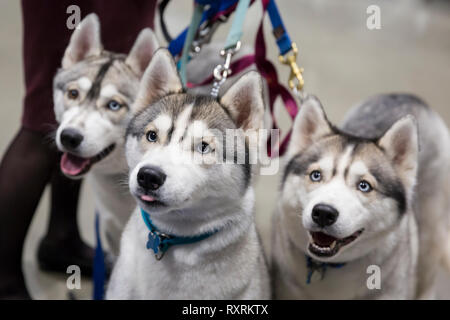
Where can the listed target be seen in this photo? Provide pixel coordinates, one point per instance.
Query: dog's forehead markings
(163, 122)
(358, 168)
(198, 128)
(85, 83)
(345, 159)
(108, 91)
(181, 123)
(327, 163)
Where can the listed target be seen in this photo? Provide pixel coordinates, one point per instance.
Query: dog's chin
(75, 167)
(323, 246)
(151, 203)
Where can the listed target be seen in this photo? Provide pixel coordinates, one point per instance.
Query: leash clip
(204, 34)
(296, 81)
(222, 71)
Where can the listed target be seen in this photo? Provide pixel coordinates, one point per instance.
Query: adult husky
(199, 212)
(363, 202)
(94, 93)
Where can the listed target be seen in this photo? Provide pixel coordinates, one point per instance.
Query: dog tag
(153, 242)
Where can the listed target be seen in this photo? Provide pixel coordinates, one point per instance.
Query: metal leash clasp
(296, 81)
(222, 71)
(204, 35)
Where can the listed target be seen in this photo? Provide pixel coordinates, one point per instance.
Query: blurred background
(344, 63)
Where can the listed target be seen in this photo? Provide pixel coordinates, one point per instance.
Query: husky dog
(94, 93)
(363, 211)
(208, 205)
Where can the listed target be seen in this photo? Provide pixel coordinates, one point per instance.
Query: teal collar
(314, 266)
(160, 242)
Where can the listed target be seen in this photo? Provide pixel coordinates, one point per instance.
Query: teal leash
(195, 23)
(232, 45)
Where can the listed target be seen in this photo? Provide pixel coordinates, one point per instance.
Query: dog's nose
(324, 215)
(71, 138)
(150, 178)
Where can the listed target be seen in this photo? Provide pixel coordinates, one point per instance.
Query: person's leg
(62, 246)
(24, 172)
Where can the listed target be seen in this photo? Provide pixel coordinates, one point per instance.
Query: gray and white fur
(94, 93)
(186, 197)
(374, 193)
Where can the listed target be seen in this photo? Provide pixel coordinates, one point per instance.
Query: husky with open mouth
(363, 211)
(94, 93)
(193, 235)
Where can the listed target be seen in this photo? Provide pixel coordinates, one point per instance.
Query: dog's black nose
(150, 178)
(71, 138)
(324, 215)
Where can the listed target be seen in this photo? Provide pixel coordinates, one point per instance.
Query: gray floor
(344, 61)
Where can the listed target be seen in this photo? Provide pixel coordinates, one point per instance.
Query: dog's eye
(315, 176)
(203, 148)
(364, 186)
(73, 94)
(113, 105)
(152, 136)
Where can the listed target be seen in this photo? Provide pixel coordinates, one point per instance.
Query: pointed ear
(244, 102)
(401, 145)
(143, 49)
(310, 124)
(159, 79)
(85, 41)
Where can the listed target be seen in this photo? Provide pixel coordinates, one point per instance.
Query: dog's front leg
(121, 285)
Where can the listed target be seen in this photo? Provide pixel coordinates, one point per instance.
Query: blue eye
(114, 105)
(364, 186)
(315, 176)
(152, 136)
(203, 148)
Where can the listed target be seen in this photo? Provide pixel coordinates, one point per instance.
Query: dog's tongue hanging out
(73, 165)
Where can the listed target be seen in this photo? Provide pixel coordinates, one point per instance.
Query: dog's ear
(244, 102)
(401, 145)
(85, 41)
(143, 49)
(310, 124)
(159, 79)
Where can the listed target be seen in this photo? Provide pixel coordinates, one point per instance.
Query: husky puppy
(94, 93)
(172, 148)
(363, 211)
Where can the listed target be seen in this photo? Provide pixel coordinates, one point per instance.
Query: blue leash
(176, 45)
(283, 40)
(99, 264)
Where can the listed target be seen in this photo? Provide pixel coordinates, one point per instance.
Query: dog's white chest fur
(227, 265)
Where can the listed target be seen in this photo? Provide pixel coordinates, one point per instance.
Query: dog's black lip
(339, 244)
(98, 157)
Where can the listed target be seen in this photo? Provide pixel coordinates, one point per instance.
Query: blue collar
(317, 266)
(161, 242)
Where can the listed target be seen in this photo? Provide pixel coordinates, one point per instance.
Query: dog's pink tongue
(73, 165)
(147, 198)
